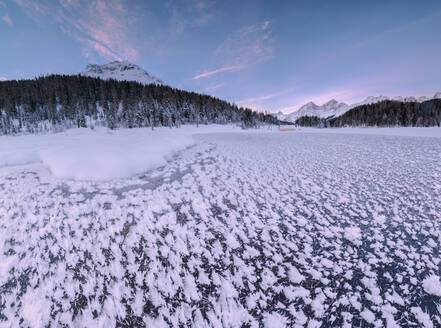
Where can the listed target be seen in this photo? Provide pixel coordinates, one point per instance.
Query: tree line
(58, 102)
(383, 114)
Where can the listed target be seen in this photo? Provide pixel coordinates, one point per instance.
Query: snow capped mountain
(121, 71)
(280, 116)
(328, 109)
(333, 108)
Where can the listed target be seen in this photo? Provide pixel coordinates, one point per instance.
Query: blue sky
(268, 55)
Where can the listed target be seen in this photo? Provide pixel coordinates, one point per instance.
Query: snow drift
(96, 155)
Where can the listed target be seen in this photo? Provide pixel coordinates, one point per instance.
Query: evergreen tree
(57, 102)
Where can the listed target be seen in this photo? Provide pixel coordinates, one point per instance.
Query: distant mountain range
(333, 108)
(121, 71)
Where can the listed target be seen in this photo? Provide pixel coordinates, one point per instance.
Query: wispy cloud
(214, 87)
(104, 27)
(7, 19)
(247, 46)
(203, 19)
(3, 77)
(29, 4)
(243, 48)
(263, 98)
(36, 10)
(187, 14)
(216, 71)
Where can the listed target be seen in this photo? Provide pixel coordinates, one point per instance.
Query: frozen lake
(293, 229)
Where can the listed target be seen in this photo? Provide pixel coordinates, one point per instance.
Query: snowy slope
(121, 71)
(334, 108)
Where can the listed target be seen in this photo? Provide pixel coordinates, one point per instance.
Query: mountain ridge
(333, 108)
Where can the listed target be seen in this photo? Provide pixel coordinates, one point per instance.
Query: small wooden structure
(286, 129)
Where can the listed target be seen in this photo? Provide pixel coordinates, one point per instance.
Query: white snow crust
(432, 285)
(101, 154)
(253, 228)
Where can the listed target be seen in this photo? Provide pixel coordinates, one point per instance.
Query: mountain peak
(309, 105)
(121, 71)
(331, 102)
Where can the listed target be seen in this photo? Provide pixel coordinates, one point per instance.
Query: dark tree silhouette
(57, 102)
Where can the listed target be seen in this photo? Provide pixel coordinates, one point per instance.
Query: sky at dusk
(267, 55)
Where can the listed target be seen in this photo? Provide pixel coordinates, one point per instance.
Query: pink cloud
(248, 46)
(99, 48)
(7, 19)
(104, 27)
(242, 49)
(262, 98)
(216, 71)
(31, 5)
(214, 87)
(186, 14)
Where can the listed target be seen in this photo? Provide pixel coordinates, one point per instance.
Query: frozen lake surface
(240, 230)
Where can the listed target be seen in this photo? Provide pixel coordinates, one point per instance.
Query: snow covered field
(434, 132)
(308, 228)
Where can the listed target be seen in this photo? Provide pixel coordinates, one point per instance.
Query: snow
(243, 228)
(121, 71)
(274, 320)
(432, 285)
(368, 315)
(434, 132)
(422, 317)
(102, 154)
(353, 234)
(295, 276)
(36, 310)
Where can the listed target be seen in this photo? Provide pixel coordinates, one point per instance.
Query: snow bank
(111, 156)
(101, 154)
